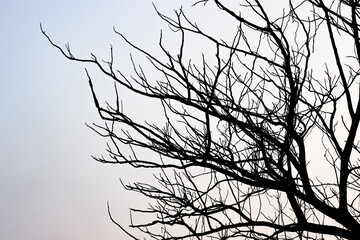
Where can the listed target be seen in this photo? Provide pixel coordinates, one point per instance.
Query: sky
(50, 187)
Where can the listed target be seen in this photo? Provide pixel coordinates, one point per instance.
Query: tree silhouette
(238, 153)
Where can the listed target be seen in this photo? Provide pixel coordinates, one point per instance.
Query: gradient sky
(50, 188)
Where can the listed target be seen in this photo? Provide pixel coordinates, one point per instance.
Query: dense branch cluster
(233, 153)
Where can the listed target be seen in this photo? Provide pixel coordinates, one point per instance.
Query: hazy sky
(50, 188)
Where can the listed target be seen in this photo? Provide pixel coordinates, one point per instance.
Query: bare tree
(235, 155)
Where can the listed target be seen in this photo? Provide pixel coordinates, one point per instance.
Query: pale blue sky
(50, 188)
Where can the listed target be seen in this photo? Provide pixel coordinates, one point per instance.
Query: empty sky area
(50, 188)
